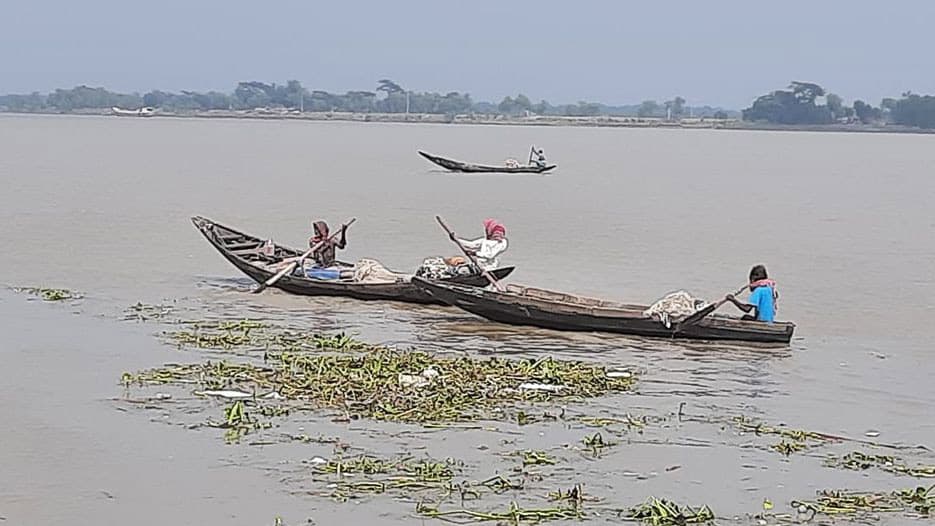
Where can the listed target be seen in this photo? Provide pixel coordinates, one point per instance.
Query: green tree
(806, 92)
(915, 110)
(866, 113)
(388, 86)
(675, 107)
(648, 108)
(835, 105)
(793, 106)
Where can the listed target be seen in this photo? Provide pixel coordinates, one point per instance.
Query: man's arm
(746, 307)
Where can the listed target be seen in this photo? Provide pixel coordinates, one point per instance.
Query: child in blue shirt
(763, 297)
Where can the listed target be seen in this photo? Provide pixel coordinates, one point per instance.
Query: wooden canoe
(241, 250)
(555, 310)
(458, 166)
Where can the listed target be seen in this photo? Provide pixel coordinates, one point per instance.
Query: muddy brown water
(844, 223)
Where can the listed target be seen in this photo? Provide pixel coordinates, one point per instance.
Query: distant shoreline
(604, 121)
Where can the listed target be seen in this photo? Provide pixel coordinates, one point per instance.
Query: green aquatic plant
(49, 294)
(788, 447)
(501, 484)
(841, 502)
(575, 495)
(662, 512)
(798, 435)
(533, 457)
(238, 422)
(514, 515)
(596, 444)
(147, 312)
(338, 342)
(247, 334)
(859, 461)
(393, 385)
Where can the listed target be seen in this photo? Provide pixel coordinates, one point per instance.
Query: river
(844, 223)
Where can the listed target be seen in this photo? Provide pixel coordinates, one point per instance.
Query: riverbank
(599, 121)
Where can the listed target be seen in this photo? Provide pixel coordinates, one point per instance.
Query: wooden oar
(703, 313)
(493, 281)
(307, 253)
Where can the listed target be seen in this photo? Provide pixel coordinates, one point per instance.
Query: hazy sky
(719, 52)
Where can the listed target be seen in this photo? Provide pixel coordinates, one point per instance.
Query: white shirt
(487, 251)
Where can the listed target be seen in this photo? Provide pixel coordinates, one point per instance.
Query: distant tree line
(802, 103)
(387, 97)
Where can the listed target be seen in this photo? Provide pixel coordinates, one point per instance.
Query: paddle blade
(698, 316)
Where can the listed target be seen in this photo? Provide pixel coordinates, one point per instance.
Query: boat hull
(514, 308)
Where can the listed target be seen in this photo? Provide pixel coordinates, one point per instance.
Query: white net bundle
(674, 305)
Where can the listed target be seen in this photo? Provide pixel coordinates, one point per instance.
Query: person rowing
(325, 256)
(537, 157)
(763, 297)
(487, 249)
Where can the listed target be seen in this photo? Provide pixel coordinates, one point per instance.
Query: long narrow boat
(458, 166)
(242, 250)
(555, 310)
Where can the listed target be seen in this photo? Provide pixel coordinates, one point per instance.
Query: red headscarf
(321, 230)
(494, 229)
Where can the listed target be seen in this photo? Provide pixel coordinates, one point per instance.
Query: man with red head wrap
(487, 249)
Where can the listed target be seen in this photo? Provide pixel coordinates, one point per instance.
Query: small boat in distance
(458, 166)
(246, 253)
(567, 312)
(145, 111)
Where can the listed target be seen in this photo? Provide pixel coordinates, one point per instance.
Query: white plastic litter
(224, 394)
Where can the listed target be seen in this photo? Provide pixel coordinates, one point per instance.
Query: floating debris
(250, 334)
(574, 495)
(788, 447)
(238, 422)
(830, 502)
(797, 435)
(661, 512)
(596, 444)
(369, 384)
(859, 461)
(147, 312)
(422, 470)
(48, 294)
(535, 458)
(513, 515)
(501, 484)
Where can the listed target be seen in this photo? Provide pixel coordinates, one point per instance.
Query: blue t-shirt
(762, 299)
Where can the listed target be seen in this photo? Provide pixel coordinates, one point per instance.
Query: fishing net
(437, 268)
(372, 271)
(673, 306)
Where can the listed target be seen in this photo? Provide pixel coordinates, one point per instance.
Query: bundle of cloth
(444, 268)
(372, 271)
(674, 305)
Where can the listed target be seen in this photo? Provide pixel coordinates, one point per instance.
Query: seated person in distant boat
(325, 255)
(538, 157)
(487, 249)
(763, 297)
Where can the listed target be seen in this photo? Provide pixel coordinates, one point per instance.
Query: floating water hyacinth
(662, 512)
(374, 383)
(48, 294)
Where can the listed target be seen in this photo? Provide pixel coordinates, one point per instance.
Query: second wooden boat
(556, 310)
(458, 166)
